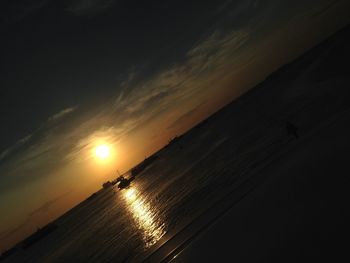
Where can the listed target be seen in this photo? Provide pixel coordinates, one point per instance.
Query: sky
(130, 74)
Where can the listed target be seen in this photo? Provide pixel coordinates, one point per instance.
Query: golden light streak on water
(145, 217)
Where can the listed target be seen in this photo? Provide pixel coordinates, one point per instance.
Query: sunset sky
(129, 75)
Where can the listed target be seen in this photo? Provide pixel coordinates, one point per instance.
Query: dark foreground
(236, 188)
(296, 209)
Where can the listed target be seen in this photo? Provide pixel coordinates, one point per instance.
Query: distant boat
(107, 184)
(121, 182)
(120, 177)
(124, 182)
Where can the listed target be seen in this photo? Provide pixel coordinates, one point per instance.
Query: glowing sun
(102, 151)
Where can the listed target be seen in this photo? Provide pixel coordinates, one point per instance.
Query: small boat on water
(107, 184)
(124, 182)
(121, 182)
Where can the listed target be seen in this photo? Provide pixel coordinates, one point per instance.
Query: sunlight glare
(102, 151)
(146, 217)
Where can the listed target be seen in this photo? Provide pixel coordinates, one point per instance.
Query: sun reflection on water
(145, 217)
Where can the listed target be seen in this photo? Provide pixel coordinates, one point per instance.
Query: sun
(102, 152)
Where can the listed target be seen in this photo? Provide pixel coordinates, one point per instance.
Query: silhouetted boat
(124, 182)
(121, 177)
(107, 184)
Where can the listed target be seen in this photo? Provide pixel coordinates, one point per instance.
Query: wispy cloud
(183, 80)
(14, 147)
(62, 113)
(25, 140)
